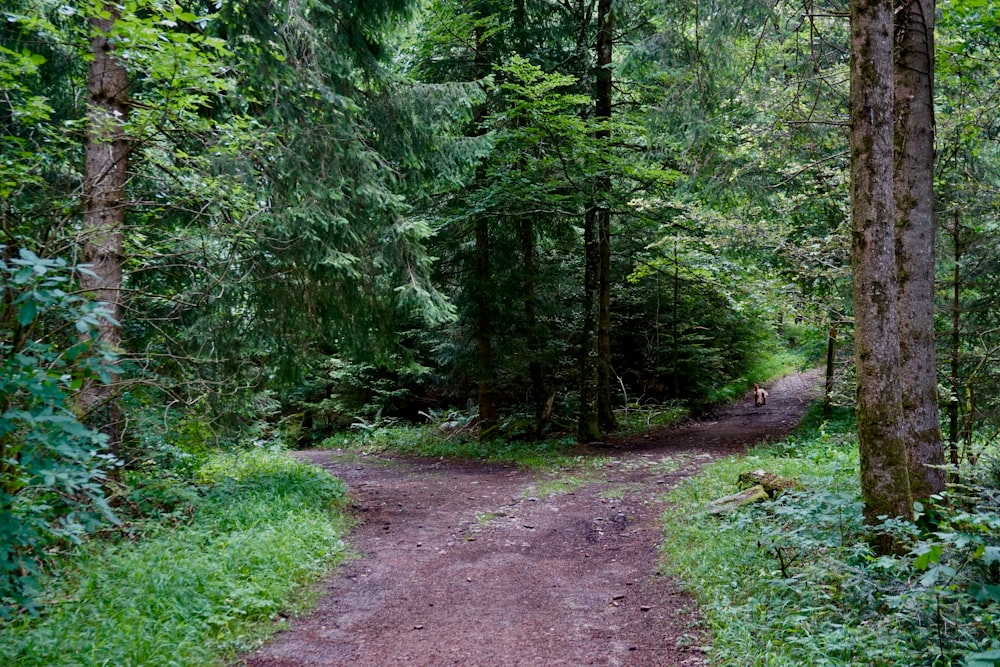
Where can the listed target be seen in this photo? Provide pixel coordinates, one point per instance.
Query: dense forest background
(228, 224)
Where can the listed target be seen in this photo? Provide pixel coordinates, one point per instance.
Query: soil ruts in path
(487, 565)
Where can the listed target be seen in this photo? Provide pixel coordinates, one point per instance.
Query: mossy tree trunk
(884, 474)
(915, 230)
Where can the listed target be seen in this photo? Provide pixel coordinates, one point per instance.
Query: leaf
(984, 659)
(28, 256)
(936, 574)
(991, 555)
(26, 315)
(931, 555)
(985, 592)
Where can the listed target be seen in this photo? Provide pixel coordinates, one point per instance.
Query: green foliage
(968, 137)
(262, 529)
(762, 367)
(450, 436)
(338, 264)
(793, 582)
(638, 417)
(51, 465)
(710, 328)
(342, 392)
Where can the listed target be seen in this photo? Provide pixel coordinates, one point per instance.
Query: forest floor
(471, 564)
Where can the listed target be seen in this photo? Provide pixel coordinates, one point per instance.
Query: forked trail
(473, 564)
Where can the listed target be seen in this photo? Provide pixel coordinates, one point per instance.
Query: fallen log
(754, 494)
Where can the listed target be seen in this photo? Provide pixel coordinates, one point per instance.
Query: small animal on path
(759, 395)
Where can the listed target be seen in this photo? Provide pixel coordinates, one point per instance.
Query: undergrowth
(194, 589)
(792, 582)
(449, 439)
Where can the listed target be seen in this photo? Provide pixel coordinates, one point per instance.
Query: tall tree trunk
(588, 423)
(675, 330)
(956, 339)
(482, 281)
(602, 193)
(915, 229)
(885, 484)
(102, 237)
(536, 373)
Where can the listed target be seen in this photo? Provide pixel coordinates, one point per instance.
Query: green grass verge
(197, 593)
(792, 582)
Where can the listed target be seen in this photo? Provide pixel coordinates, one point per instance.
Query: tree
(483, 273)
(884, 474)
(525, 194)
(104, 202)
(602, 194)
(915, 231)
(892, 137)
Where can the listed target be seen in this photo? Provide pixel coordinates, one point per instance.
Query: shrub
(191, 594)
(51, 465)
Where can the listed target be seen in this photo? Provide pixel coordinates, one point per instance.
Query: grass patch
(792, 582)
(433, 442)
(198, 593)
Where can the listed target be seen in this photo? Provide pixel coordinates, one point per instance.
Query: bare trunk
(884, 475)
(588, 423)
(956, 339)
(102, 238)
(915, 229)
(602, 191)
(485, 361)
(675, 331)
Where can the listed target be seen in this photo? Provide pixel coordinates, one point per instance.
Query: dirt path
(468, 564)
